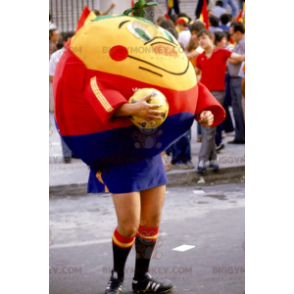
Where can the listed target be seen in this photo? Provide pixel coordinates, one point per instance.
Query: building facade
(66, 13)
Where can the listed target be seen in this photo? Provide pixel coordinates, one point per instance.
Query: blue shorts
(129, 177)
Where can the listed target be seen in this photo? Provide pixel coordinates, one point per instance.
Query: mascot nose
(165, 49)
(118, 53)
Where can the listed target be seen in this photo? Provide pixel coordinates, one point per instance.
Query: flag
(170, 4)
(166, 16)
(204, 14)
(86, 16)
(239, 17)
(244, 13)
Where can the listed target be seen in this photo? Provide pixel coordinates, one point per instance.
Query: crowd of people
(218, 56)
(217, 52)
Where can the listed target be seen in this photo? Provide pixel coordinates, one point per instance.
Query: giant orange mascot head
(107, 60)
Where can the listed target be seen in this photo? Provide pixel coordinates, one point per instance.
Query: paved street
(210, 218)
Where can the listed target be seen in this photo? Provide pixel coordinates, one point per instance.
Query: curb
(191, 177)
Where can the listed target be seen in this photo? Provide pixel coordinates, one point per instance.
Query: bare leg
(127, 208)
(152, 201)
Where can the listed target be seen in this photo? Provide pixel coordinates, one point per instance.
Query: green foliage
(138, 9)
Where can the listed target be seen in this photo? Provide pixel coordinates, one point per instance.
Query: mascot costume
(104, 64)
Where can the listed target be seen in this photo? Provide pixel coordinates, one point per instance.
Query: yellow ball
(156, 98)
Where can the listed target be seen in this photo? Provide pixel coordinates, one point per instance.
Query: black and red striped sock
(145, 242)
(121, 248)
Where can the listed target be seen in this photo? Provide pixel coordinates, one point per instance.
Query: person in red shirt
(211, 64)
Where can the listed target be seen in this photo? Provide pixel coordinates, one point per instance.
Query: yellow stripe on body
(99, 177)
(146, 237)
(125, 245)
(99, 95)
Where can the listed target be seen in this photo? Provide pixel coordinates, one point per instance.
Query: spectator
(191, 48)
(173, 4)
(218, 9)
(237, 32)
(195, 28)
(225, 22)
(184, 35)
(181, 153)
(209, 12)
(173, 32)
(98, 12)
(54, 36)
(229, 45)
(228, 122)
(160, 19)
(213, 24)
(51, 24)
(67, 154)
(173, 18)
(242, 76)
(182, 14)
(167, 23)
(56, 56)
(212, 64)
(232, 4)
(220, 40)
(169, 26)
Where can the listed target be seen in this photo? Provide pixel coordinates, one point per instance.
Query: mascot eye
(139, 31)
(143, 34)
(168, 35)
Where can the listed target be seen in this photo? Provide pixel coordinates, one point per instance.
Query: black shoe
(220, 147)
(66, 159)
(149, 285)
(114, 285)
(236, 142)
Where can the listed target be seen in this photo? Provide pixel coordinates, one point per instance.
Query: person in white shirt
(218, 9)
(184, 35)
(214, 24)
(55, 57)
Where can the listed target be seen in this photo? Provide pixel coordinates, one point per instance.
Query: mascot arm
(206, 101)
(103, 100)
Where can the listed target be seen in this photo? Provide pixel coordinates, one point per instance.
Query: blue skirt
(129, 177)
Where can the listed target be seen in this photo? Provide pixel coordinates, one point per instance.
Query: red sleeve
(206, 101)
(103, 100)
(226, 53)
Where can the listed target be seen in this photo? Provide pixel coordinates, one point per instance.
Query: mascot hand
(143, 109)
(206, 118)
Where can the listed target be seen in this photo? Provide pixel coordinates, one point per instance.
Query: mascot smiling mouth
(161, 68)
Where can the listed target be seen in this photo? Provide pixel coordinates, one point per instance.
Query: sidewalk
(74, 175)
